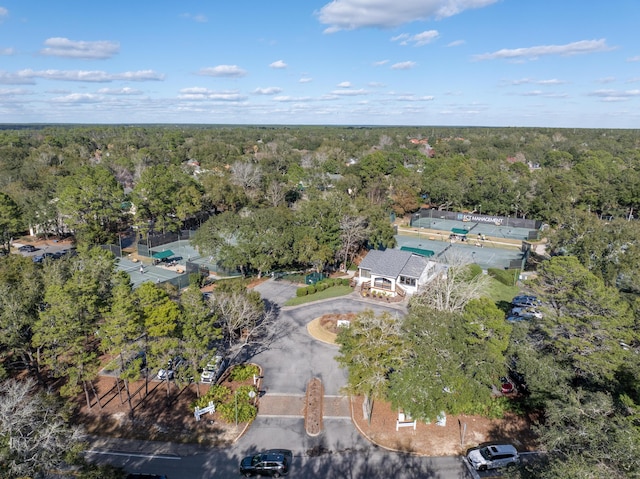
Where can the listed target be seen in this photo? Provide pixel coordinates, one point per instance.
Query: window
(407, 281)
(365, 273)
(382, 283)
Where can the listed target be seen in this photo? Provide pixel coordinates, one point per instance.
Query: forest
(306, 197)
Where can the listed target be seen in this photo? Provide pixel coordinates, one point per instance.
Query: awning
(163, 254)
(459, 231)
(422, 252)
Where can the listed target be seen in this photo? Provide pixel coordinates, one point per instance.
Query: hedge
(507, 277)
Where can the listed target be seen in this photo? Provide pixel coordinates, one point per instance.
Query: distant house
(394, 272)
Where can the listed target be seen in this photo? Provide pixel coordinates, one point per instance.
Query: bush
(246, 411)
(311, 289)
(216, 393)
(244, 372)
(344, 281)
(508, 277)
(475, 270)
(302, 292)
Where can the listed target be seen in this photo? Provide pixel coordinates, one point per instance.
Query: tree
(121, 327)
(199, 331)
(163, 196)
(90, 201)
(586, 435)
(242, 316)
(161, 318)
(20, 296)
(453, 287)
(442, 372)
(353, 233)
(10, 219)
(35, 436)
(586, 322)
(371, 348)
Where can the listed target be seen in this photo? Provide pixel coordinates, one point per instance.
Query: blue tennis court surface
(486, 255)
(487, 229)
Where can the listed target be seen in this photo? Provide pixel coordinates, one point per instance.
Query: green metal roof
(459, 231)
(163, 254)
(423, 252)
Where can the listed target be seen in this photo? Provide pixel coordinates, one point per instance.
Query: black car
(274, 463)
(28, 248)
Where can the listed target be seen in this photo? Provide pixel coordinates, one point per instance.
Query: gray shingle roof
(392, 263)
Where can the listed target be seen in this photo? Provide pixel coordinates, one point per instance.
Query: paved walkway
(292, 405)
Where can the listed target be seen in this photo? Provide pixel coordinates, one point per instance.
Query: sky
(542, 63)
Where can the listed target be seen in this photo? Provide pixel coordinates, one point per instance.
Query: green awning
(422, 252)
(459, 231)
(163, 254)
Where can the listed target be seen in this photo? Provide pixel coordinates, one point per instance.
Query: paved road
(289, 363)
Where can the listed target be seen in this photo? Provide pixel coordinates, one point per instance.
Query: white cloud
(63, 47)
(575, 48)
(634, 59)
(529, 81)
(414, 98)
(345, 84)
(13, 91)
(278, 64)
(228, 71)
(287, 99)
(199, 93)
(4, 13)
(380, 63)
(272, 90)
(456, 43)
(78, 98)
(375, 84)
(353, 14)
(403, 65)
(305, 80)
(615, 95)
(93, 76)
(198, 17)
(606, 80)
(417, 40)
(119, 91)
(7, 51)
(347, 92)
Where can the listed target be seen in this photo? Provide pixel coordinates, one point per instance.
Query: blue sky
(549, 63)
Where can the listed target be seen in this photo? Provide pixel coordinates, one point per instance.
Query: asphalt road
(289, 362)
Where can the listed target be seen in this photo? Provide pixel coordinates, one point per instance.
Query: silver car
(492, 456)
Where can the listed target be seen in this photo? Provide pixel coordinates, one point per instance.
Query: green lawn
(500, 292)
(332, 292)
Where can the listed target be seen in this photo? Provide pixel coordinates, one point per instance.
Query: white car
(169, 372)
(526, 313)
(492, 457)
(213, 369)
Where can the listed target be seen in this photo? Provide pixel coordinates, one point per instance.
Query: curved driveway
(290, 361)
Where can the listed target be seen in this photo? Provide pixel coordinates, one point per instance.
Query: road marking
(133, 454)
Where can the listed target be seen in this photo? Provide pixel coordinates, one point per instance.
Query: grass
(498, 291)
(332, 292)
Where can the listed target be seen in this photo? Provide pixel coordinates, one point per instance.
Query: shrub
(246, 411)
(507, 277)
(302, 291)
(311, 289)
(244, 372)
(344, 281)
(216, 393)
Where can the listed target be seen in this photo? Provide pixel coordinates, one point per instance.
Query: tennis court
(487, 229)
(486, 256)
(142, 272)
